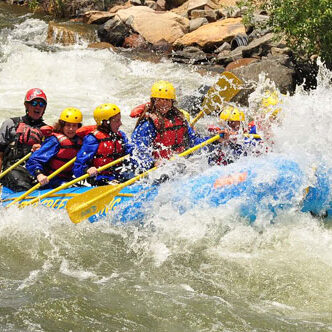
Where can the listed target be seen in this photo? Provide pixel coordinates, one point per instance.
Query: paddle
(89, 203)
(225, 89)
(68, 184)
(14, 165)
(51, 176)
(61, 196)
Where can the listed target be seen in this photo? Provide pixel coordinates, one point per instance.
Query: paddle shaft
(51, 176)
(2, 174)
(81, 178)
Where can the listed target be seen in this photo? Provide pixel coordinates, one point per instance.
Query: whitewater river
(205, 270)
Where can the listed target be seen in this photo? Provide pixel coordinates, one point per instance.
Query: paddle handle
(200, 114)
(2, 174)
(81, 178)
(199, 146)
(51, 176)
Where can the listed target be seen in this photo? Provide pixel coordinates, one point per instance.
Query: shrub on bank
(306, 24)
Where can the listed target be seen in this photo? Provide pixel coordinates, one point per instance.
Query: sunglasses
(34, 103)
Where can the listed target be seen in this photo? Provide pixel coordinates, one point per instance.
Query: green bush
(306, 24)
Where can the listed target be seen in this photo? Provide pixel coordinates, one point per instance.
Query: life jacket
(110, 148)
(138, 110)
(85, 130)
(172, 138)
(27, 134)
(68, 150)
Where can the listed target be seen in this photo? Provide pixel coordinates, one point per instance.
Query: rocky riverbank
(204, 33)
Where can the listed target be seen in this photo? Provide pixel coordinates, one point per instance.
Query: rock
(280, 50)
(192, 55)
(231, 12)
(118, 7)
(182, 10)
(257, 48)
(170, 4)
(96, 17)
(196, 23)
(101, 45)
(226, 57)
(155, 26)
(212, 35)
(162, 46)
(197, 13)
(114, 31)
(240, 63)
(224, 47)
(151, 4)
(137, 2)
(278, 69)
(69, 33)
(161, 5)
(135, 41)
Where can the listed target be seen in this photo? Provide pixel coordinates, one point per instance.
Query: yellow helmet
(231, 113)
(269, 101)
(71, 115)
(163, 89)
(104, 112)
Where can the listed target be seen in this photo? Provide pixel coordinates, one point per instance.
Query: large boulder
(154, 26)
(212, 35)
(278, 69)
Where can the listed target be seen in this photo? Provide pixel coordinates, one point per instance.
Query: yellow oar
(87, 204)
(225, 89)
(252, 136)
(63, 195)
(51, 176)
(14, 165)
(68, 184)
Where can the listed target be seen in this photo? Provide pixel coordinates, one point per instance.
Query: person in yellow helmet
(59, 148)
(232, 117)
(103, 145)
(162, 129)
(233, 147)
(267, 115)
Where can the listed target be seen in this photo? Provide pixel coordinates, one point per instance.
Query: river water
(206, 270)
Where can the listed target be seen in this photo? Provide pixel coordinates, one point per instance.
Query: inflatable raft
(253, 187)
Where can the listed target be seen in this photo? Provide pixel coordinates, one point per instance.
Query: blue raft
(258, 186)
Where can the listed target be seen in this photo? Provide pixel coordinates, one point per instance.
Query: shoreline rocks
(205, 33)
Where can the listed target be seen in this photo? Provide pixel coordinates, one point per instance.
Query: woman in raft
(59, 148)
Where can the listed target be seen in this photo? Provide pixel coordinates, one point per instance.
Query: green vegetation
(306, 25)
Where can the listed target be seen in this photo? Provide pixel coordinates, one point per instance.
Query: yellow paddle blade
(93, 201)
(227, 87)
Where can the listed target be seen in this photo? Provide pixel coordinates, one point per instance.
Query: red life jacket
(111, 147)
(29, 135)
(85, 130)
(173, 138)
(138, 110)
(68, 150)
